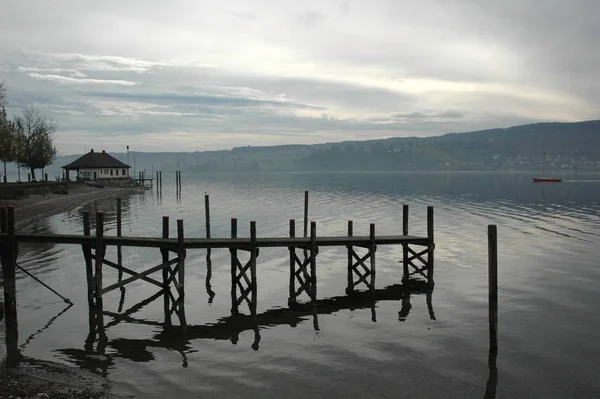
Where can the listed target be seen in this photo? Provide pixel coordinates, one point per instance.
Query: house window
(111, 172)
(124, 172)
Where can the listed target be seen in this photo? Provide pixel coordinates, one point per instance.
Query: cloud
(219, 74)
(69, 79)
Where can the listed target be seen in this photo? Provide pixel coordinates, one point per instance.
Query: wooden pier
(169, 273)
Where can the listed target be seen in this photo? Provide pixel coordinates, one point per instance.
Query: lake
(549, 299)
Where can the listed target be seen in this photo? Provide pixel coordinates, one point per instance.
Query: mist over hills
(569, 146)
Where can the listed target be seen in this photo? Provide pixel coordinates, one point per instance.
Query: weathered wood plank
(203, 243)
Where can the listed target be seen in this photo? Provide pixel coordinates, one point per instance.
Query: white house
(97, 166)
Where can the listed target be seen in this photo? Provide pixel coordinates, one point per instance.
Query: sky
(194, 75)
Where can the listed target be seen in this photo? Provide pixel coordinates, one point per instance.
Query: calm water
(549, 297)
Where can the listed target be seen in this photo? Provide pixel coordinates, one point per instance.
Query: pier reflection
(99, 351)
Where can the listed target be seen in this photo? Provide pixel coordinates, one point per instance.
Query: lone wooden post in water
(207, 215)
(493, 292)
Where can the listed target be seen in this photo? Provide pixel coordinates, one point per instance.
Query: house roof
(94, 160)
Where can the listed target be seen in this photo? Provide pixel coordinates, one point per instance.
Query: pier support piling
(357, 265)
(303, 271)
(247, 286)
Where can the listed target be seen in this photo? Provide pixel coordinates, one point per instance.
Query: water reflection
(95, 356)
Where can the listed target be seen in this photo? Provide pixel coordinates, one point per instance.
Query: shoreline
(42, 206)
(42, 379)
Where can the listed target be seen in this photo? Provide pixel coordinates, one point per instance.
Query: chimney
(92, 150)
(104, 152)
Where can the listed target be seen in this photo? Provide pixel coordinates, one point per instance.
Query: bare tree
(7, 133)
(34, 138)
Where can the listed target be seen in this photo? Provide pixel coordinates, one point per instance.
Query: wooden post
(160, 179)
(181, 255)
(3, 219)
(165, 272)
(119, 234)
(405, 246)
(372, 249)
(99, 259)
(430, 245)
(89, 268)
(350, 287)
(233, 251)
(207, 215)
(493, 292)
(253, 255)
(313, 260)
(292, 297)
(9, 264)
(306, 214)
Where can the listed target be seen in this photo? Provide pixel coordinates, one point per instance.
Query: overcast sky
(192, 75)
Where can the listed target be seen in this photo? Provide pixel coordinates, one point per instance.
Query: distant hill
(569, 146)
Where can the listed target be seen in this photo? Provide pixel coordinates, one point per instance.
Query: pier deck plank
(200, 243)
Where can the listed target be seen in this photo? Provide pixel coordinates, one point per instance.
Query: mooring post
(430, 246)
(493, 292)
(181, 256)
(233, 251)
(350, 287)
(160, 179)
(99, 260)
(313, 260)
(207, 215)
(179, 180)
(253, 255)
(372, 249)
(292, 249)
(89, 268)
(405, 246)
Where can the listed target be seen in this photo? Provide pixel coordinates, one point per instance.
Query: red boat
(546, 180)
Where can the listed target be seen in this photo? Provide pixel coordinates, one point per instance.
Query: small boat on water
(545, 179)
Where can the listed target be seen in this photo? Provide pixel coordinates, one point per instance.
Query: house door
(95, 176)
